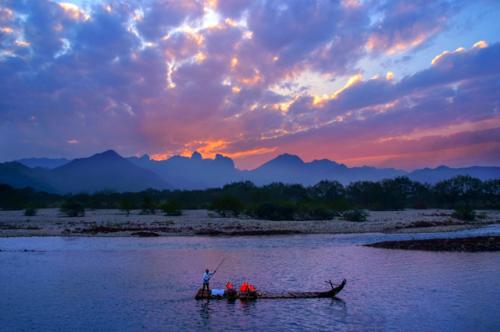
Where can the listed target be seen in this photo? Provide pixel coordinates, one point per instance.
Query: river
(117, 284)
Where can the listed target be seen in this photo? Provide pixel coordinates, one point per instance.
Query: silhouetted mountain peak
(196, 155)
(105, 170)
(287, 159)
(108, 170)
(108, 154)
(107, 159)
(223, 160)
(327, 162)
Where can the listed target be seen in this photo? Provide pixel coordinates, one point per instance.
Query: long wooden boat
(233, 295)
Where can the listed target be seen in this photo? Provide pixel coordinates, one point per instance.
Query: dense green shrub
(482, 215)
(464, 189)
(272, 211)
(227, 206)
(126, 206)
(355, 215)
(72, 208)
(30, 212)
(280, 201)
(290, 211)
(148, 205)
(317, 213)
(171, 208)
(464, 212)
(18, 199)
(313, 211)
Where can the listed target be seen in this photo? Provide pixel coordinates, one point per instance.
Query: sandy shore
(49, 222)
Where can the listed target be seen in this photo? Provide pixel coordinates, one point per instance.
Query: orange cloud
(200, 57)
(22, 43)
(448, 130)
(442, 55)
(404, 45)
(251, 80)
(250, 152)
(480, 44)
(74, 12)
(161, 156)
(6, 30)
(351, 3)
(234, 62)
(321, 100)
(211, 4)
(379, 42)
(209, 148)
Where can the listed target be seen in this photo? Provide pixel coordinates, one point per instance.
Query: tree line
(277, 201)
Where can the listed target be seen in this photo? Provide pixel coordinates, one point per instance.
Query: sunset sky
(404, 84)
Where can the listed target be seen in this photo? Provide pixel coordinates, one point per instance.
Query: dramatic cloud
(400, 25)
(248, 79)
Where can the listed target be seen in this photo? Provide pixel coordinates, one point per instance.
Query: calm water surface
(116, 284)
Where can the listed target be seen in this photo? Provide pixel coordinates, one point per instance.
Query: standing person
(206, 279)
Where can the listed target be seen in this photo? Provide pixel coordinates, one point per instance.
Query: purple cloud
(163, 77)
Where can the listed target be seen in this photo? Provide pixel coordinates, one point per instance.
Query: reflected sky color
(384, 83)
(114, 283)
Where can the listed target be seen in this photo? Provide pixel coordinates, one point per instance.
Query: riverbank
(469, 244)
(49, 222)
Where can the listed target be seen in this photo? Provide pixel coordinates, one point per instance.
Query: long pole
(222, 261)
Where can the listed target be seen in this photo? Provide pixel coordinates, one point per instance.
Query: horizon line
(408, 170)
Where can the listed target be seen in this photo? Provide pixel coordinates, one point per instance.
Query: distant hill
(19, 176)
(197, 173)
(108, 170)
(289, 168)
(49, 163)
(433, 175)
(192, 172)
(102, 171)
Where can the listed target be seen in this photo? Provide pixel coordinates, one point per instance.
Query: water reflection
(246, 307)
(137, 284)
(339, 310)
(204, 311)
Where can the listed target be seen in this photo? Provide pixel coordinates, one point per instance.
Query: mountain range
(110, 171)
(102, 171)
